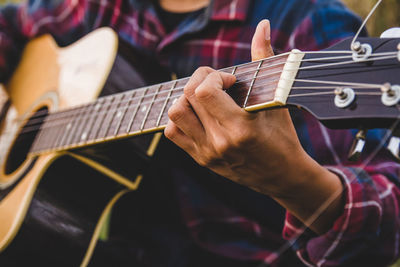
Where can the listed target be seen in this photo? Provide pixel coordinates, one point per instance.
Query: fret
(172, 99)
(81, 122)
(130, 124)
(69, 127)
(50, 126)
(74, 125)
(62, 125)
(119, 113)
(98, 118)
(252, 83)
(128, 104)
(266, 83)
(165, 103)
(144, 113)
(234, 70)
(113, 113)
(58, 119)
(40, 136)
(149, 108)
(106, 113)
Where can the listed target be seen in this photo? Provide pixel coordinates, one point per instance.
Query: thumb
(261, 43)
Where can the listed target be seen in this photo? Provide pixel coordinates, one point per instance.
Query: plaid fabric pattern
(368, 230)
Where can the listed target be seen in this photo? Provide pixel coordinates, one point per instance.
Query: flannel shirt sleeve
(366, 233)
(65, 20)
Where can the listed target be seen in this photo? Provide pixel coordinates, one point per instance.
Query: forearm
(316, 196)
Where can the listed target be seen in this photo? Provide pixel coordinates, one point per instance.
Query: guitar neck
(260, 84)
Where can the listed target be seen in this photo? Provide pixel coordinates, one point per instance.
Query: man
(260, 151)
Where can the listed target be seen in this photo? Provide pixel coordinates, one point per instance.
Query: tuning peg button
(393, 147)
(358, 146)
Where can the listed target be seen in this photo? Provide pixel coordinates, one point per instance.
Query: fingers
(261, 43)
(176, 135)
(216, 101)
(205, 93)
(184, 118)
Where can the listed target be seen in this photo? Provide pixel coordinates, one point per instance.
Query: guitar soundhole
(24, 141)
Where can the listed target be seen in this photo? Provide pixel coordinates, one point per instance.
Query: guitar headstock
(333, 74)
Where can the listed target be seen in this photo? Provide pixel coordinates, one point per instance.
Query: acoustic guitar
(55, 117)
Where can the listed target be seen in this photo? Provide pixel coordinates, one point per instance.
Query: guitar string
(180, 88)
(332, 93)
(44, 113)
(366, 86)
(119, 107)
(124, 108)
(31, 127)
(90, 141)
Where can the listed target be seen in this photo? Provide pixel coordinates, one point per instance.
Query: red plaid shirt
(367, 232)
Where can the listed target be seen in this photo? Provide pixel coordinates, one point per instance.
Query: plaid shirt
(365, 234)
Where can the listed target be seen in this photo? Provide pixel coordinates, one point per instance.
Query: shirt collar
(229, 9)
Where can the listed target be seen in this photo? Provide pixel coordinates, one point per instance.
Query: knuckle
(203, 70)
(222, 148)
(207, 161)
(242, 138)
(170, 132)
(176, 112)
(204, 93)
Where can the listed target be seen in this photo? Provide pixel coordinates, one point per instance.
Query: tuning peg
(357, 146)
(393, 147)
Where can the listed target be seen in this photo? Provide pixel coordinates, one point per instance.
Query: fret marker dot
(97, 107)
(83, 137)
(119, 113)
(69, 126)
(144, 109)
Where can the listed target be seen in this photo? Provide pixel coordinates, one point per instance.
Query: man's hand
(259, 150)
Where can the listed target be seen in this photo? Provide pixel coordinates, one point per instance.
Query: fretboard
(145, 109)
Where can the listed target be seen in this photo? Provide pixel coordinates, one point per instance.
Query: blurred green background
(386, 16)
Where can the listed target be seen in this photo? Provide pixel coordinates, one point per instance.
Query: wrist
(313, 194)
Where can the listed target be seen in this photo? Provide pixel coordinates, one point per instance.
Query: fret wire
(87, 126)
(166, 103)
(97, 106)
(327, 52)
(75, 123)
(315, 66)
(81, 125)
(68, 128)
(252, 83)
(136, 110)
(54, 133)
(99, 119)
(124, 113)
(105, 117)
(113, 109)
(38, 144)
(59, 133)
(234, 70)
(62, 131)
(149, 109)
(44, 133)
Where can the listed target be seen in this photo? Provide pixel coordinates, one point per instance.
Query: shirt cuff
(352, 230)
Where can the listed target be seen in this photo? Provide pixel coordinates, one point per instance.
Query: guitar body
(51, 217)
(48, 216)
